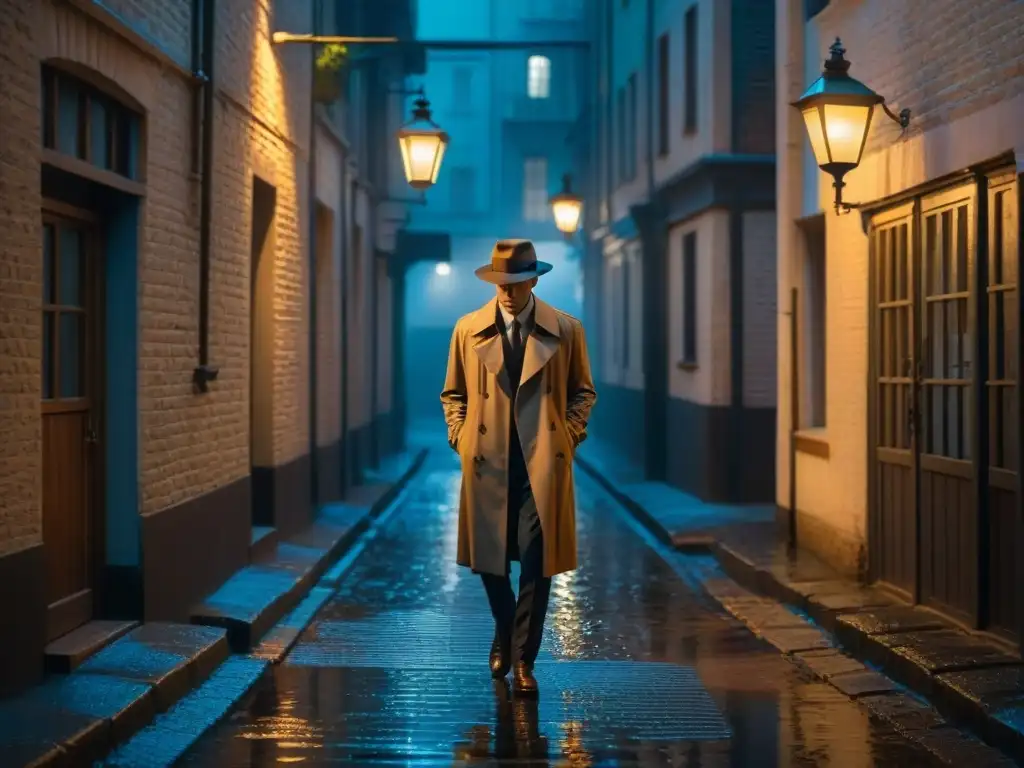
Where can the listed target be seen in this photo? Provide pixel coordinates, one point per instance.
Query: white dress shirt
(525, 319)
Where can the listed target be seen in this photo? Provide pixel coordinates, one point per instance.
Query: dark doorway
(261, 357)
(72, 376)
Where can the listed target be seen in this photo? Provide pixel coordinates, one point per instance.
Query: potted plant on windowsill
(330, 74)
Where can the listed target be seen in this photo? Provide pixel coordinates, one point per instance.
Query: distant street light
(423, 144)
(837, 113)
(443, 268)
(567, 208)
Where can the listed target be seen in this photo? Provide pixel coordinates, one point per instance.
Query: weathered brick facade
(704, 424)
(959, 67)
(193, 486)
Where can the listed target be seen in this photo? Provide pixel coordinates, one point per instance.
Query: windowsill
(812, 441)
(687, 365)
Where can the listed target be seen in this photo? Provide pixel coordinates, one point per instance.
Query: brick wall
(20, 449)
(944, 59)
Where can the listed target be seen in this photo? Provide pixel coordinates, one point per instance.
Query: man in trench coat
(517, 397)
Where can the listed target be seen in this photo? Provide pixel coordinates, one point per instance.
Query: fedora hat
(512, 261)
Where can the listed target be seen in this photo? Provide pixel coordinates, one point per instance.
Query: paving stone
(904, 711)
(890, 620)
(826, 663)
(66, 653)
(945, 650)
(820, 587)
(991, 688)
(722, 589)
(862, 683)
(799, 639)
(955, 748)
(844, 601)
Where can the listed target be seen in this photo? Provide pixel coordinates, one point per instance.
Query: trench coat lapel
(487, 344)
(543, 342)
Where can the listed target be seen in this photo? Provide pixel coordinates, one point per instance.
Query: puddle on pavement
(637, 669)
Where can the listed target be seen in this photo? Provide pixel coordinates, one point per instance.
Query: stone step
(76, 718)
(66, 653)
(263, 544)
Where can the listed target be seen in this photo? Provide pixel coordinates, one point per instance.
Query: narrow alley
(638, 668)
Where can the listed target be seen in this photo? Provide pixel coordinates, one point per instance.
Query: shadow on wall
(437, 297)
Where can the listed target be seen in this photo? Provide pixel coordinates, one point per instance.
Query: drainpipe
(353, 209)
(649, 34)
(203, 54)
(794, 411)
(343, 311)
(314, 330)
(609, 154)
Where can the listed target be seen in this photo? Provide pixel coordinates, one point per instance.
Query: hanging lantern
(422, 144)
(567, 208)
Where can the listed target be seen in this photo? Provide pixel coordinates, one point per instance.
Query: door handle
(90, 434)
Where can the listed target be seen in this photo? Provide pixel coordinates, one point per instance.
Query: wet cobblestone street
(638, 667)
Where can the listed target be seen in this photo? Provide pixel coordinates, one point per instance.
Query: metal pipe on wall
(794, 409)
(204, 373)
(314, 330)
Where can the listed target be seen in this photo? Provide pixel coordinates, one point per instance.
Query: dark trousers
(519, 624)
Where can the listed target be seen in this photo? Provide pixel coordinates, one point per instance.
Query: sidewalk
(158, 667)
(969, 679)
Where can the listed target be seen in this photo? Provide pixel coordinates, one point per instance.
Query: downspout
(649, 34)
(314, 330)
(609, 155)
(353, 206)
(203, 55)
(343, 312)
(375, 179)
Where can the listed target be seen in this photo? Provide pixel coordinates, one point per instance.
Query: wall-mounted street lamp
(423, 144)
(837, 114)
(567, 208)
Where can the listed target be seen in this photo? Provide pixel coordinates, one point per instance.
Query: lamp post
(567, 209)
(837, 111)
(423, 145)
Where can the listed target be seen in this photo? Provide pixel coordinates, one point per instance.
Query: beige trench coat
(556, 393)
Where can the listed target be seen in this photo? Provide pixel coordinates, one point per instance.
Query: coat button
(486, 395)
(552, 426)
(559, 455)
(483, 429)
(549, 387)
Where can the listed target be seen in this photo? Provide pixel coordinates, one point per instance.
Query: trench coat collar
(540, 347)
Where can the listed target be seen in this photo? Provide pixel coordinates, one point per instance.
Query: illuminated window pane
(538, 79)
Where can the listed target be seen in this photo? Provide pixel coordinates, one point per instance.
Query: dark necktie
(516, 341)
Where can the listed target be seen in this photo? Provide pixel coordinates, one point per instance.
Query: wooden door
(893, 365)
(70, 418)
(1002, 540)
(948, 498)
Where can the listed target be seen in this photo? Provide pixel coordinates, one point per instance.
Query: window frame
(688, 275)
(690, 65)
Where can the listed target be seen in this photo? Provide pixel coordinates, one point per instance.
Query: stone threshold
(970, 679)
(162, 672)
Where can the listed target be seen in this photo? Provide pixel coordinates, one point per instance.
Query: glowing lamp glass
(422, 153)
(567, 215)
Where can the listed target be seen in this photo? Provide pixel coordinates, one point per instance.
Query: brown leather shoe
(523, 681)
(500, 659)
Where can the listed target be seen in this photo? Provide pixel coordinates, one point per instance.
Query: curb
(842, 611)
(130, 708)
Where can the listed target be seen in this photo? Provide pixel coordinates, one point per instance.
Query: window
(538, 77)
(813, 323)
(690, 298)
(535, 189)
(81, 122)
(620, 138)
(690, 71)
(463, 189)
(663, 95)
(462, 89)
(631, 123)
